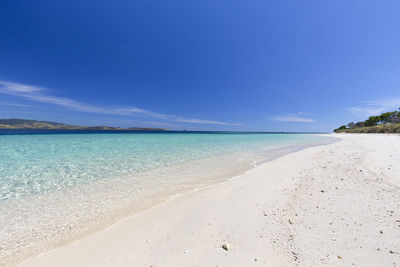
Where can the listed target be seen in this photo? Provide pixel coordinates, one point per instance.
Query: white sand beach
(337, 205)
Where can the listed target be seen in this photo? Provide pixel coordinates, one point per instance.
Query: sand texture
(335, 205)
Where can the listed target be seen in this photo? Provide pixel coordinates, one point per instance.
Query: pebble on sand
(226, 246)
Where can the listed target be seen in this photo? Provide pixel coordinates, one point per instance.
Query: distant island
(388, 122)
(47, 125)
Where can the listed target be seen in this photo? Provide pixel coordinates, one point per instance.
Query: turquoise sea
(57, 187)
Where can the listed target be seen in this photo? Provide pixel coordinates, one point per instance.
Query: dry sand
(336, 205)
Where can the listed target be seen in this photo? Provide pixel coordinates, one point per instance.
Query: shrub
(340, 128)
(373, 120)
(388, 122)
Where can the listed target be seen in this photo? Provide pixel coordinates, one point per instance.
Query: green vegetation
(388, 122)
(46, 125)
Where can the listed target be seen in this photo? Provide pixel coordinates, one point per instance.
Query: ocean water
(58, 187)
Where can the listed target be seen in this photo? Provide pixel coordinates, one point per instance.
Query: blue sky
(200, 65)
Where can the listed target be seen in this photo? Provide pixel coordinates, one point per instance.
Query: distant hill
(388, 122)
(47, 125)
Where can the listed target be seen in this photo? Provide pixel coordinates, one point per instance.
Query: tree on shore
(351, 125)
(384, 118)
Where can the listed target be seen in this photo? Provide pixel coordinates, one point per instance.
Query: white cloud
(38, 94)
(376, 107)
(366, 111)
(16, 87)
(292, 118)
(13, 104)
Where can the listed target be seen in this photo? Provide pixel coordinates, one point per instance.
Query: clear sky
(200, 65)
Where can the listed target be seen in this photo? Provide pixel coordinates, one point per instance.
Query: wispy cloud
(13, 104)
(38, 94)
(292, 118)
(161, 124)
(375, 107)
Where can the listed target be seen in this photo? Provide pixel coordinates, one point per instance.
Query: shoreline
(126, 211)
(169, 232)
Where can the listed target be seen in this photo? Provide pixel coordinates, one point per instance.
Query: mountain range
(47, 125)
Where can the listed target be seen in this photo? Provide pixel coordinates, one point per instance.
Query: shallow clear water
(56, 187)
